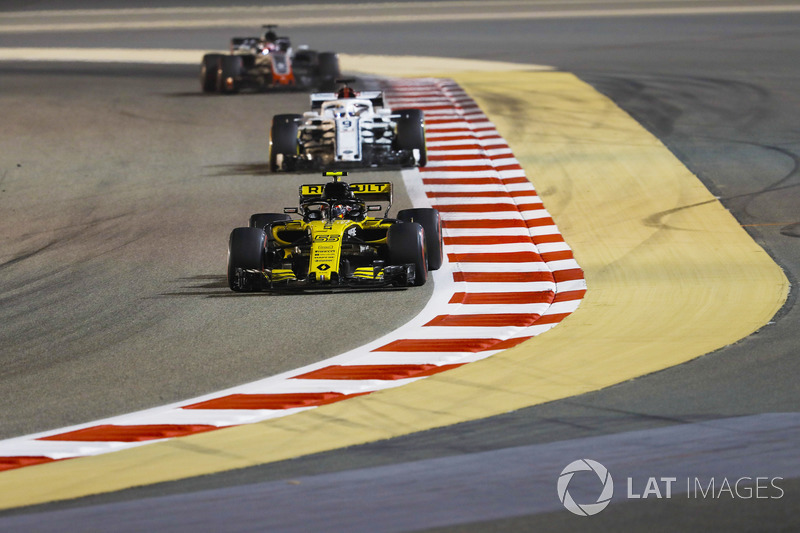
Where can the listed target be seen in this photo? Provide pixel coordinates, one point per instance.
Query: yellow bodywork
(326, 247)
(326, 238)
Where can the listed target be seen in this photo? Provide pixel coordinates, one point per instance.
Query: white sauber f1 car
(347, 129)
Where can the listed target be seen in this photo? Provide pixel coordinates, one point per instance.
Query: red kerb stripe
(484, 224)
(529, 207)
(468, 194)
(543, 239)
(10, 463)
(465, 168)
(499, 257)
(552, 319)
(518, 179)
(114, 433)
(567, 296)
(568, 275)
(482, 298)
(461, 181)
(503, 277)
(557, 256)
(452, 147)
(438, 345)
(536, 222)
(273, 401)
(455, 157)
(453, 138)
(475, 208)
(486, 320)
(487, 239)
(382, 372)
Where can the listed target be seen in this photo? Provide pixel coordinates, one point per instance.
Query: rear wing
(366, 192)
(317, 99)
(244, 43)
(373, 192)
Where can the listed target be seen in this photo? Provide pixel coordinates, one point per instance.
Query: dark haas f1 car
(334, 244)
(268, 62)
(347, 129)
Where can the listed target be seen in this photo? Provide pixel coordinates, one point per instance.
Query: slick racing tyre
(229, 70)
(328, 70)
(245, 252)
(406, 242)
(304, 68)
(432, 224)
(208, 72)
(283, 145)
(411, 133)
(305, 59)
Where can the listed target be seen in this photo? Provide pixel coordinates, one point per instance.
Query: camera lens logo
(586, 509)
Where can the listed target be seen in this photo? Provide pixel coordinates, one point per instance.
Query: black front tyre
(411, 133)
(306, 59)
(431, 222)
(246, 252)
(406, 242)
(208, 72)
(283, 144)
(304, 67)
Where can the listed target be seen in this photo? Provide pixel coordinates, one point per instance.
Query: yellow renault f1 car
(334, 244)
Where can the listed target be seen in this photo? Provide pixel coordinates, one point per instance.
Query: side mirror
(290, 210)
(374, 208)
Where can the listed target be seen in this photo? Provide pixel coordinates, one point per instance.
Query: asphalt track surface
(149, 242)
(719, 90)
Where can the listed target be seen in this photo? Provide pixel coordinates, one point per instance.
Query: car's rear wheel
(406, 242)
(283, 143)
(208, 72)
(430, 220)
(229, 71)
(246, 252)
(328, 70)
(411, 133)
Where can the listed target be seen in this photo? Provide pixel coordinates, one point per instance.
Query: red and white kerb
(508, 276)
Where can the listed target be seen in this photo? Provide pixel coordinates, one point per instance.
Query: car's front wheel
(406, 242)
(430, 220)
(246, 253)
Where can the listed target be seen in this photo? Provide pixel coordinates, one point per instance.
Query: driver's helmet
(340, 210)
(270, 36)
(337, 190)
(346, 92)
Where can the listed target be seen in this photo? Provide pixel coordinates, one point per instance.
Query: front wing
(362, 278)
(392, 159)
